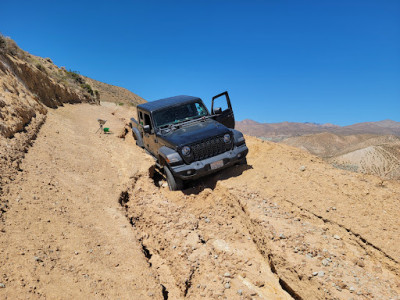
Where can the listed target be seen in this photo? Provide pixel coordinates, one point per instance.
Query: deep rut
(201, 241)
(199, 236)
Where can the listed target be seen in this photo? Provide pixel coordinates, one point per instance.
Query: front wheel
(174, 184)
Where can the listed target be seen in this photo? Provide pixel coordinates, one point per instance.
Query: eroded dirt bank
(87, 220)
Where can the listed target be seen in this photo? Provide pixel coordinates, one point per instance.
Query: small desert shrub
(352, 168)
(2, 42)
(12, 47)
(121, 104)
(87, 88)
(41, 68)
(8, 46)
(75, 76)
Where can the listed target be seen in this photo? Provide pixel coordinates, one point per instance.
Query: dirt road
(87, 220)
(64, 234)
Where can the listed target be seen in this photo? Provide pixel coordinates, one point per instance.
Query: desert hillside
(327, 144)
(116, 94)
(370, 147)
(29, 86)
(365, 153)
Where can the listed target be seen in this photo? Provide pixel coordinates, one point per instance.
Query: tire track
(201, 240)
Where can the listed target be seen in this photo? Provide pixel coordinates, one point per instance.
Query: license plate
(216, 164)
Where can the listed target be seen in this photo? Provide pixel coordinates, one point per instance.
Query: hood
(194, 132)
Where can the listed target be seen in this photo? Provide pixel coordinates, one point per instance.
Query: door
(149, 138)
(223, 115)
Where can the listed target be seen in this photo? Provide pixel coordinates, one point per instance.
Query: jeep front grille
(209, 148)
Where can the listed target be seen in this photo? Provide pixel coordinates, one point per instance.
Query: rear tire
(174, 184)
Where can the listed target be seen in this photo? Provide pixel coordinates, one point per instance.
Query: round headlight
(186, 150)
(227, 138)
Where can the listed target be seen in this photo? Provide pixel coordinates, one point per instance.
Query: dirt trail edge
(65, 235)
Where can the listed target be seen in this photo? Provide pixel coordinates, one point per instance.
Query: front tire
(174, 184)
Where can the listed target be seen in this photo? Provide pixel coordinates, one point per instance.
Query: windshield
(178, 114)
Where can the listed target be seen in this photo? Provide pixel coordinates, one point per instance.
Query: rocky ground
(88, 216)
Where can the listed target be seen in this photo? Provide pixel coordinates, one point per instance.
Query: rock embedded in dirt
(325, 262)
(260, 283)
(336, 237)
(2, 285)
(360, 263)
(302, 168)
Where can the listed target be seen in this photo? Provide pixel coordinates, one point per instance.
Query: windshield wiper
(174, 126)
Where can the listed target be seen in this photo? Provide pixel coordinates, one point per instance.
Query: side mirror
(146, 129)
(217, 110)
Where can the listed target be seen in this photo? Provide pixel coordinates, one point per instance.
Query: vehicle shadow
(195, 187)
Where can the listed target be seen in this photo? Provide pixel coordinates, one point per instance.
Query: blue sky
(303, 61)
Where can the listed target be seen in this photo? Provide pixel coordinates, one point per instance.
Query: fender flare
(238, 137)
(138, 137)
(169, 156)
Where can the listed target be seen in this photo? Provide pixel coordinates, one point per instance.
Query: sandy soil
(64, 235)
(90, 217)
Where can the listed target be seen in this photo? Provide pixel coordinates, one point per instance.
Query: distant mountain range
(369, 147)
(289, 129)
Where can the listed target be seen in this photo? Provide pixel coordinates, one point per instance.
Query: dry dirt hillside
(382, 160)
(90, 217)
(365, 153)
(327, 144)
(29, 85)
(116, 94)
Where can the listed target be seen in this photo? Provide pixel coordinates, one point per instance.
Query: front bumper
(202, 168)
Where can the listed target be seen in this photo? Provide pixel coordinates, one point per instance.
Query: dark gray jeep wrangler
(186, 140)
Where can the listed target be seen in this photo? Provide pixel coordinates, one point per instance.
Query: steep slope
(371, 154)
(381, 160)
(112, 93)
(28, 86)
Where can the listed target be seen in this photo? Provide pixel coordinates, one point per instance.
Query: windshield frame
(171, 109)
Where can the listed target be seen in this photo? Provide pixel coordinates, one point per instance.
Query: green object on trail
(106, 129)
